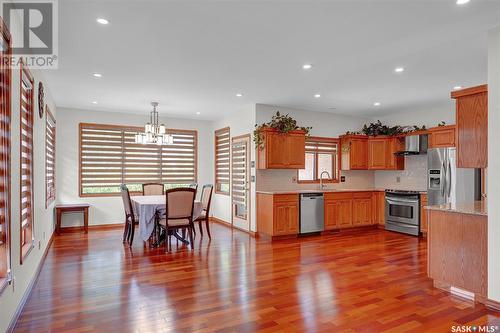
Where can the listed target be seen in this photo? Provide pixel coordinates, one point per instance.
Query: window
(222, 161)
(321, 155)
(26, 152)
(109, 157)
(5, 115)
(50, 158)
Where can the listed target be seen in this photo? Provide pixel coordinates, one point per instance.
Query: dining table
(148, 207)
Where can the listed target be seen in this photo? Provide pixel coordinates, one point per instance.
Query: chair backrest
(194, 185)
(127, 204)
(206, 196)
(153, 189)
(180, 202)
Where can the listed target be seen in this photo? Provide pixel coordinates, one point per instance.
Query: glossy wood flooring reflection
(370, 281)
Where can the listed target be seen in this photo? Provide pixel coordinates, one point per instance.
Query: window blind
(50, 158)
(5, 118)
(109, 157)
(222, 154)
(321, 155)
(26, 142)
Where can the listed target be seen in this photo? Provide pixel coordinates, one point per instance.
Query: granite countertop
(327, 190)
(472, 207)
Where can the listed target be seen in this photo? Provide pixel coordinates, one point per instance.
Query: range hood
(414, 145)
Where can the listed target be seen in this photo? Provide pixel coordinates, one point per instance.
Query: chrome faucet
(321, 185)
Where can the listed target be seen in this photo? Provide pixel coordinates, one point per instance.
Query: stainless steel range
(402, 211)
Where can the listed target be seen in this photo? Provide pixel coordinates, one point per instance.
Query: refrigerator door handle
(448, 181)
(443, 177)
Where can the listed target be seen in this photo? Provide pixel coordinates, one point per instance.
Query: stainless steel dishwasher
(311, 213)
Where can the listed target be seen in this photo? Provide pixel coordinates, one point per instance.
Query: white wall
(323, 124)
(429, 116)
(43, 217)
(109, 210)
(493, 165)
(240, 123)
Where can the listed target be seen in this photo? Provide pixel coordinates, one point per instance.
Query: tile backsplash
(414, 177)
(283, 180)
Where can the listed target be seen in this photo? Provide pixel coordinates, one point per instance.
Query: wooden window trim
(216, 183)
(194, 133)
(5, 144)
(50, 192)
(336, 178)
(27, 231)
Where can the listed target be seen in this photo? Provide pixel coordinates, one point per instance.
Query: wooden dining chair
(206, 198)
(130, 218)
(153, 189)
(178, 214)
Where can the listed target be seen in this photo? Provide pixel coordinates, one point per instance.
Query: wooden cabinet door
(361, 211)
(442, 136)
(277, 150)
(331, 214)
(423, 213)
(475, 253)
(472, 131)
(377, 153)
(343, 212)
(359, 154)
(286, 218)
(296, 151)
(395, 162)
(378, 208)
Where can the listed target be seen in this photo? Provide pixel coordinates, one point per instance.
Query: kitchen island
(457, 248)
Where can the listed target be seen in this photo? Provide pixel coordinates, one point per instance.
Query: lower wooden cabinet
(277, 214)
(362, 209)
(423, 213)
(378, 205)
(457, 251)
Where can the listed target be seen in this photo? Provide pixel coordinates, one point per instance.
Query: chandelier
(153, 132)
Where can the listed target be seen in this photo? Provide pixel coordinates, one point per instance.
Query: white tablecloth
(146, 206)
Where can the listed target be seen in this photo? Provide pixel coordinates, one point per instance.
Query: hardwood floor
(370, 281)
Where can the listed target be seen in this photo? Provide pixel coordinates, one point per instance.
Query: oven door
(402, 209)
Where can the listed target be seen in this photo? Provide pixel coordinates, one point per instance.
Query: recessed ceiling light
(239, 95)
(97, 75)
(399, 69)
(462, 2)
(317, 96)
(102, 21)
(332, 108)
(457, 87)
(307, 66)
(94, 102)
(198, 113)
(377, 104)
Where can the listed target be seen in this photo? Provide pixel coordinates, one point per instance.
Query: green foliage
(377, 128)
(283, 123)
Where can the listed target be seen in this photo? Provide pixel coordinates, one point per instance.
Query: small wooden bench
(67, 208)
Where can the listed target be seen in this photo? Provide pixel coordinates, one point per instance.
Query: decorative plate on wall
(41, 103)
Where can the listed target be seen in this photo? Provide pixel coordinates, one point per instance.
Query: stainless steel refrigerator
(448, 184)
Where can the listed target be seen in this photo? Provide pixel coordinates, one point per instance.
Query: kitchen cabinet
(423, 213)
(354, 152)
(377, 153)
(472, 127)
(457, 251)
(381, 151)
(362, 209)
(378, 206)
(282, 151)
(277, 214)
(442, 136)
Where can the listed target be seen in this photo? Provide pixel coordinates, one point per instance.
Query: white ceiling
(194, 56)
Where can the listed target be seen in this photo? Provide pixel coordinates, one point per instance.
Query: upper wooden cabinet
(282, 151)
(354, 152)
(381, 151)
(442, 136)
(472, 126)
